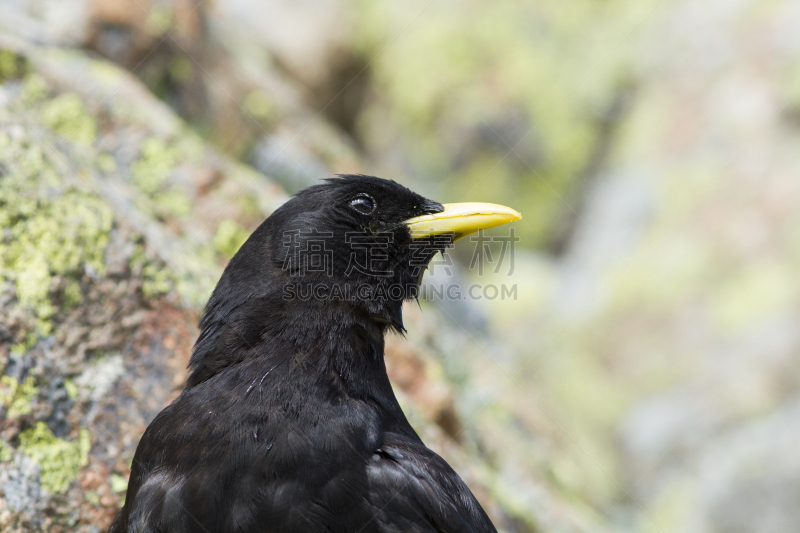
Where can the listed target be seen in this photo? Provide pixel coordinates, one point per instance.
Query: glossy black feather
(288, 422)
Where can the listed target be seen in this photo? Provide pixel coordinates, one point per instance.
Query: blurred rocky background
(643, 377)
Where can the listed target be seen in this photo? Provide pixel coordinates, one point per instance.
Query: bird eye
(363, 203)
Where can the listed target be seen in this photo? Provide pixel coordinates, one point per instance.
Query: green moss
(17, 397)
(159, 20)
(260, 105)
(180, 68)
(12, 65)
(190, 145)
(92, 497)
(151, 174)
(6, 452)
(152, 171)
(119, 483)
(173, 202)
(72, 293)
(60, 460)
(49, 230)
(67, 115)
(34, 89)
(64, 236)
(229, 237)
(156, 280)
(71, 388)
(106, 163)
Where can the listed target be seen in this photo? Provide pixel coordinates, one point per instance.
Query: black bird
(288, 422)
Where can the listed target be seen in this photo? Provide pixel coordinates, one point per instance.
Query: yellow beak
(461, 219)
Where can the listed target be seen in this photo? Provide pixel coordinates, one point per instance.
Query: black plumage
(288, 422)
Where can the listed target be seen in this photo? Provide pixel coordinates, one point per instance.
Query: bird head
(352, 246)
(347, 239)
(367, 241)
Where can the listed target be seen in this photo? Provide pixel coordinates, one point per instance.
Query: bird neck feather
(324, 336)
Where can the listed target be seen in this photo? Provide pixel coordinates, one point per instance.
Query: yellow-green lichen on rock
(60, 460)
(160, 20)
(12, 65)
(156, 279)
(67, 115)
(260, 105)
(6, 452)
(16, 397)
(50, 229)
(152, 172)
(34, 89)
